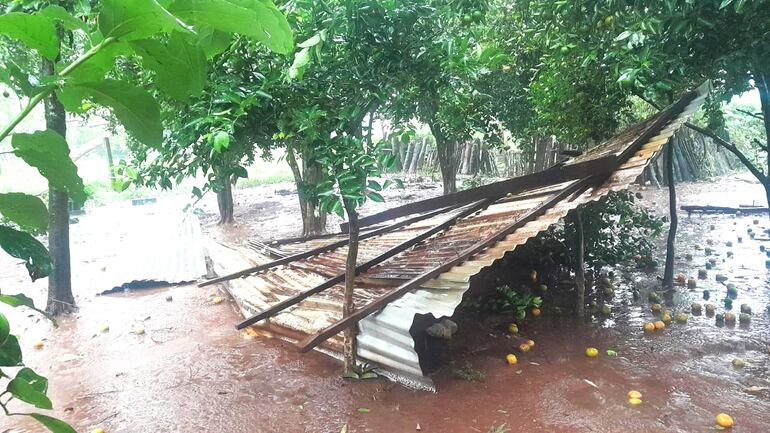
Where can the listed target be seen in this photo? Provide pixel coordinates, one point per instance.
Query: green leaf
(23, 246)
(725, 3)
(36, 31)
(136, 109)
(221, 141)
(180, 67)
(240, 172)
(338, 209)
(27, 393)
(213, 42)
(48, 152)
(373, 185)
(52, 424)
(21, 299)
(375, 196)
(312, 41)
(135, 19)
(5, 329)
(259, 19)
(10, 352)
(60, 14)
(36, 381)
(28, 211)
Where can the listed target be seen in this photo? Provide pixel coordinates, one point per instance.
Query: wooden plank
(322, 249)
(551, 176)
(314, 340)
(275, 309)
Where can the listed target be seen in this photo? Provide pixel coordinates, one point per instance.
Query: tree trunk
(313, 220)
(225, 201)
(668, 273)
(580, 277)
(762, 81)
(348, 306)
(446, 148)
(60, 299)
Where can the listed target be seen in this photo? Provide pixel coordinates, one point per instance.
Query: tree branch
(720, 141)
(757, 116)
(732, 148)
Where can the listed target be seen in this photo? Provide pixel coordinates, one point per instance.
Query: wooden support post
(580, 277)
(108, 148)
(668, 273)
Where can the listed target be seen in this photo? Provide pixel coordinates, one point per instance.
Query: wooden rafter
(323, 249)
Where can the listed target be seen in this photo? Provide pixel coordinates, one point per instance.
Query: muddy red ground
(192, 372)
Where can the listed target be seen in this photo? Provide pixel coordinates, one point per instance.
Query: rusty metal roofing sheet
(385, 337)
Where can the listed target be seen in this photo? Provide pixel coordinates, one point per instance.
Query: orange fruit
(216, 300)
(634, 394)
(536, 312)
(659, 325)
(524, 347)
(634, 401)
(533, 276)
(724, 420)
(649, 327)
(531, 343)
(513, 328)
(592, 352)
(511, 359)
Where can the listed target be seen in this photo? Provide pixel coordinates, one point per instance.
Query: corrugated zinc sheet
(385, 337)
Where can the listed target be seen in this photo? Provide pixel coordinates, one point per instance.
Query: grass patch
(251, 182)
(468, 373)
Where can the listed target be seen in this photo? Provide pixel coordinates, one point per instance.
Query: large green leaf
(135, 19)
(31, 388)
(136, 109)
(27, 211)
(60, 14)
(48, 152)
(23, 246)
(259, 19)
(180, 67)
(213, 41)
(52, 424)
(10, 352)
(37, 31)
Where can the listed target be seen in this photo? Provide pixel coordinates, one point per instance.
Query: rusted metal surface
(386, 337)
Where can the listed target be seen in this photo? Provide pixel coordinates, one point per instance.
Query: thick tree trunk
(348, 306)
(60, 299)
(225, 202)
(446, 149)
(313, 220)
(580, 277)
(668, 273)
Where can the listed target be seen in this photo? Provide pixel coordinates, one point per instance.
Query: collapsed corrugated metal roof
(422, 263)
(160, 244)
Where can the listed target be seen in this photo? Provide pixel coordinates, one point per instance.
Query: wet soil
(192, 372)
